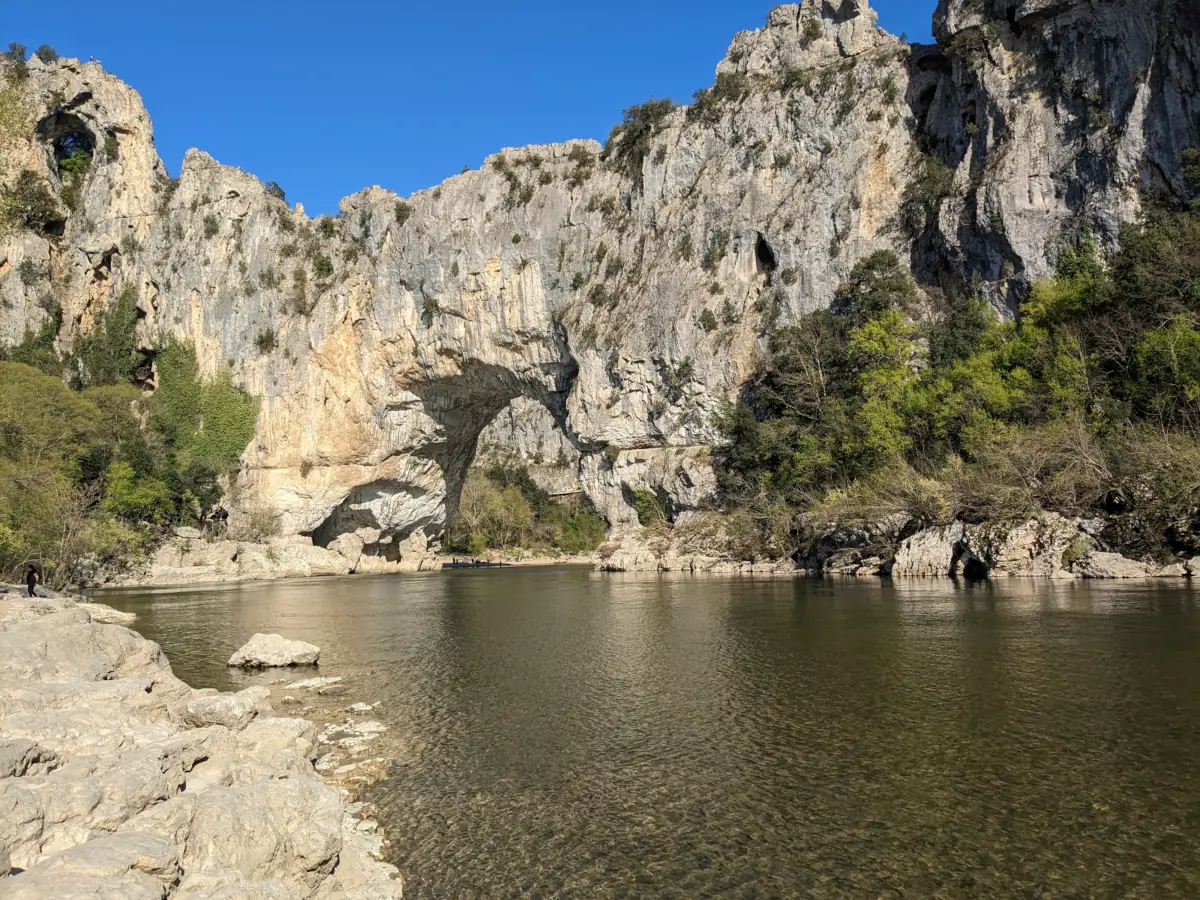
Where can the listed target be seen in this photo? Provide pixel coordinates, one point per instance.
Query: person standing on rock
(31, 580)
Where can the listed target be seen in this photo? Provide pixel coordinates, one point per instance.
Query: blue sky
(328, 98)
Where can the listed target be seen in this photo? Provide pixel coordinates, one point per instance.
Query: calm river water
(568, 734)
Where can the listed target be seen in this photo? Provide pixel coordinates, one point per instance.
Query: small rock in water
(269, 651)
(332, 690)
(289, 699)
(315, 684)
(360, 708)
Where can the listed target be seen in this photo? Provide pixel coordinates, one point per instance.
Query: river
(569, 734)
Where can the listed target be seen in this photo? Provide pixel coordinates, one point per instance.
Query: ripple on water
(573, 735)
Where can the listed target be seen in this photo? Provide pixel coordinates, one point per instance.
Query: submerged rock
(273, 651)
(316, 684)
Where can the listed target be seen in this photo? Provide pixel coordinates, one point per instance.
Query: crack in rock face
(598, 308)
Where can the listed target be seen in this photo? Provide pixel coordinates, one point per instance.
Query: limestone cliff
(591, 310)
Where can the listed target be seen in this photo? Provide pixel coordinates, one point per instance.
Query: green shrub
(923, 196)
(583, 164)
(718, 246)
(629, 143)
(813, 30)
(211, 226)
(729, 315)
(144, 499)
(501, 508)
(709, 104)
(16, 56)
(322, 266)
(266, 341)
(29, 272)
(649, 511)
(77, 165)
(30, 203)
(708, 321)
(404, 212)
(1190, 169)
(205, 420)
(429, 310)
(108, 354)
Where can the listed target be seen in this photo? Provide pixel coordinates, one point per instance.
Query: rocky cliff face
(590, 312)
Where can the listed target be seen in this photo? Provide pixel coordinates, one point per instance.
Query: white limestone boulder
(273, 651)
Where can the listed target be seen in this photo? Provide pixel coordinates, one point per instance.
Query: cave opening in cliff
(764, 256)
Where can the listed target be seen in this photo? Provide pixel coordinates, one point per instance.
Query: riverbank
(897, 546)
(117, 779)
(1044, 546)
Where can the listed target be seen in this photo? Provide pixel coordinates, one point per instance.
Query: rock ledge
(119, 780)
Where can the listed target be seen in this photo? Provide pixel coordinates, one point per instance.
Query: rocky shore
(117, 780)
(1046, 546)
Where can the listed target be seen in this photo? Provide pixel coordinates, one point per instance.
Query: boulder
(1036, 547)
(930, 553)
(232, 711)
(270, 651)
(1111, 565)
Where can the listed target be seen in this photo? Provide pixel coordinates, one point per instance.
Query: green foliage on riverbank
(82, 480)
(502, 508)
(893, 402)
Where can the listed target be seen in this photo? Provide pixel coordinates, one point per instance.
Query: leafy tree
(138, 499)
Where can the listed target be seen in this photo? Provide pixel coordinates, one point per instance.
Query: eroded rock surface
(117, 780)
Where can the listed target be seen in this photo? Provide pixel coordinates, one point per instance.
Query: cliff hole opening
(764, 256)
(70, 142)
